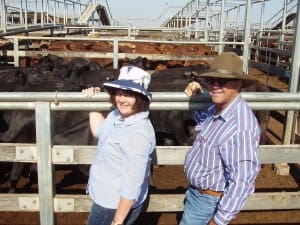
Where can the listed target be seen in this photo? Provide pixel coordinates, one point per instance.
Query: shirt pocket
(208, 156)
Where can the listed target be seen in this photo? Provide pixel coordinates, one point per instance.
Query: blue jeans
(198, 208)
(104, 216)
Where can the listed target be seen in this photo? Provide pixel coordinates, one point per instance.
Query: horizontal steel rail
(123, 39)
(156, 96)
(84, 106)
(163, 155)
(161, 101)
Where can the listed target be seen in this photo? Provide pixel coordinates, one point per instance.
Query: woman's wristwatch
(114, 222)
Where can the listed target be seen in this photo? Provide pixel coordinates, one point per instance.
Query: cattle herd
(52, 73)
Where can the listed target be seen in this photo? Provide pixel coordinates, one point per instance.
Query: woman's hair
(142, 102)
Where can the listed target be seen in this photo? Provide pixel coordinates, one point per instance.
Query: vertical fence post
(247, 37)
(116, 54)
(294, 79)
(221, 29)
(44, 162)
(4, 16)
(16, 52)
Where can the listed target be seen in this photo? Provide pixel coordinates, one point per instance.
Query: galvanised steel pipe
(156, 97)
(155, 105)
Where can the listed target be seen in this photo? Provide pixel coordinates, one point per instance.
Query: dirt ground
(167, 179)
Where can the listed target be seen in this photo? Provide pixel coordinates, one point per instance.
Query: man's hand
(192, 89)
(212, 222)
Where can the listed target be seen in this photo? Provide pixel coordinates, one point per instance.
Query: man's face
(223, 91)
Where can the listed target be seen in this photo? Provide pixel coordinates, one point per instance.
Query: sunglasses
(221, 81)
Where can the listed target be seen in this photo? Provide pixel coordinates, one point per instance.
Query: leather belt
(209, 192)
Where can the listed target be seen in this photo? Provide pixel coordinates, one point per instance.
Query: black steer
(50, 74)
(173, 127)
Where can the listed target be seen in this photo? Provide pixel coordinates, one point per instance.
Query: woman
(118, 181)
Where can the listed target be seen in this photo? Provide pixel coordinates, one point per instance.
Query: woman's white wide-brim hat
(133, 79)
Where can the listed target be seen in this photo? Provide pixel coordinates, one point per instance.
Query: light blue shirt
(121, 166)
(224, 156)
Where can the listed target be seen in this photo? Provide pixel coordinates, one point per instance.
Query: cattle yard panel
(22, 16)
(164, 155)
(191, 24)
(270, 59)
(47, 202)
(114, 55)
(271, 54)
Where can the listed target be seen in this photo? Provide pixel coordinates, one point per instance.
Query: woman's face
(125, 102)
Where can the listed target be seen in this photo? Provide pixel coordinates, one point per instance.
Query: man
(222, 164)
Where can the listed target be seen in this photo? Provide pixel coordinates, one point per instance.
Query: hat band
(224, 71)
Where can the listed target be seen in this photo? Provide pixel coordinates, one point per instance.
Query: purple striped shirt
(224, 156)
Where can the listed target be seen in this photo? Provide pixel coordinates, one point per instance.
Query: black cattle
(12, 79)
(52, 73)
(174, 127)
(175, 79)
(55, 74)
(62, 75)
(70, 128)
(263, 116)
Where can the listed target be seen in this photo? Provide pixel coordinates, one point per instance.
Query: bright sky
(155, 12)
(144, 12)
(148, 12)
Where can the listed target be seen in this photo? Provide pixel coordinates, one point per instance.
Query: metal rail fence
(46, 155)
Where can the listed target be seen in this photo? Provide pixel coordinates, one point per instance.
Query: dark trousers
(104, 216)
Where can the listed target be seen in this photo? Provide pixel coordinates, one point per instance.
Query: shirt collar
(227, 112)
(131, 119)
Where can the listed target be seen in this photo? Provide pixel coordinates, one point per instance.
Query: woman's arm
(96, 118)
(122, 211)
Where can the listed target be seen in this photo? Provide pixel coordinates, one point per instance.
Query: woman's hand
(89, 92)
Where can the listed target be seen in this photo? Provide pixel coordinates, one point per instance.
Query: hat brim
(248, 80)
(128, 85)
